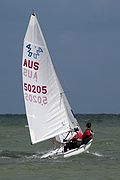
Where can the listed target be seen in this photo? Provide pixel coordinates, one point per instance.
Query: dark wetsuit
(75, 142)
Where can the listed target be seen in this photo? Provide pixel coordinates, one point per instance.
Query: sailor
(88, 134)
(74, 141)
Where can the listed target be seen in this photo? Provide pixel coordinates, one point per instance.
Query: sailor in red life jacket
(74, 141)
(88, 134)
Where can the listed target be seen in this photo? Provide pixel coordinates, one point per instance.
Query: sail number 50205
(36, 98)
(35, 89)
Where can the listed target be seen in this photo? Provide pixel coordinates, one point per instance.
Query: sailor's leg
(65, 148)
(68, 145)
(86, 140)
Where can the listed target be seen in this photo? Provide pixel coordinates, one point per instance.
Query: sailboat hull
(59, 152)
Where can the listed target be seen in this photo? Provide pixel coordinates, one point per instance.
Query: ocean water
(19, 160)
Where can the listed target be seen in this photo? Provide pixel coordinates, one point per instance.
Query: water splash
(95, 154)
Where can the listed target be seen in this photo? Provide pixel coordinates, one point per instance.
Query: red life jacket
(78, 136)
(87, 134)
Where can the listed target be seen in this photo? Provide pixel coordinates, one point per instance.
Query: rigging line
(67, 134)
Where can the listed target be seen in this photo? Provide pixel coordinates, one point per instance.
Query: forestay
(47, 109)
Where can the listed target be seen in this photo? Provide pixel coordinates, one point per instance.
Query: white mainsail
(48, 111)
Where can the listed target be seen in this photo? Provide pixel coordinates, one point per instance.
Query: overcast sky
(83, 37)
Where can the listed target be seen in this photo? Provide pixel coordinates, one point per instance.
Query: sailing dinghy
(48, 111)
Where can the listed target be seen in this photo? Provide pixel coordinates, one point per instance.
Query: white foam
(96, 154)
